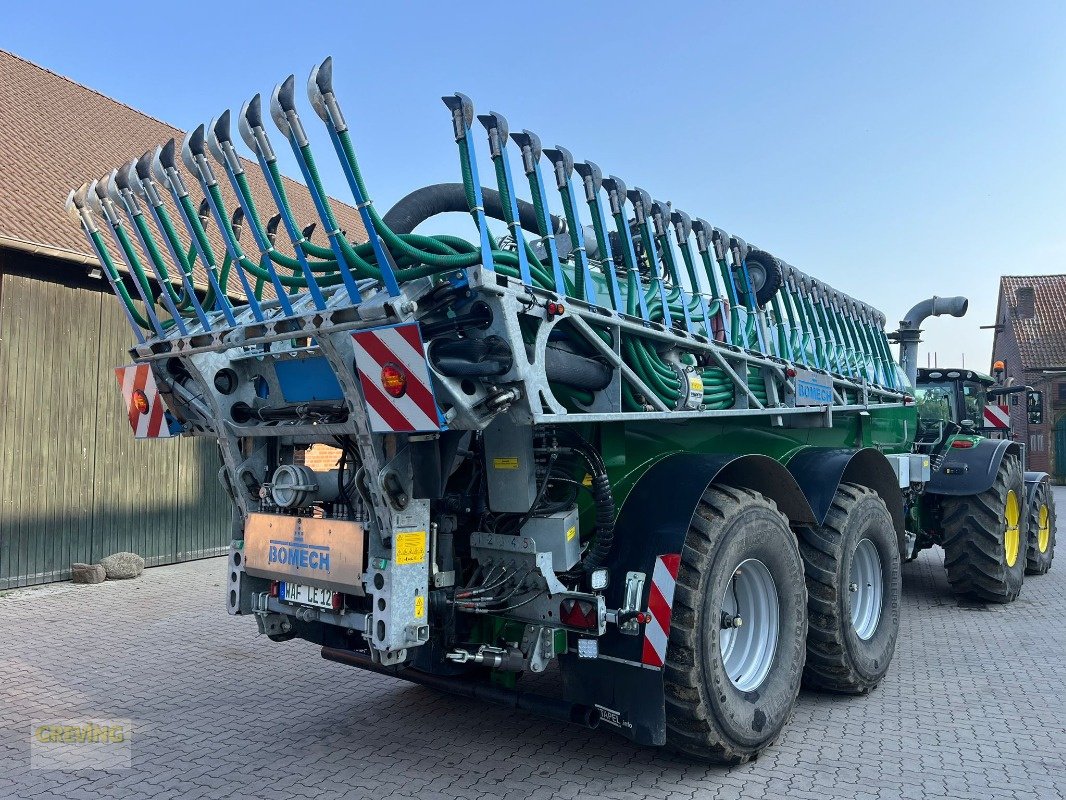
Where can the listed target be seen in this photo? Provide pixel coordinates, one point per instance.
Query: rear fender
(1032, 482)
(971, 470)
(626, 681)
(820, 471)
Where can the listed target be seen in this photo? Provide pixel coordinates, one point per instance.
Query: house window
(1035, 408)
(1062, 392)
(1036, 443)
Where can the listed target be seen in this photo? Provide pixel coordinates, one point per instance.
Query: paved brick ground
(973, 707)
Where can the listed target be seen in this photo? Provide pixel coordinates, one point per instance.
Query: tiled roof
(56, 134)
(1041, 337)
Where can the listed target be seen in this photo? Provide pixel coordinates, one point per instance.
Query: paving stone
(217, 711)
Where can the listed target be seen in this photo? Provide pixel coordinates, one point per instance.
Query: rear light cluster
(579, 614)
(394, 379)
(337, 601)
(140, 401)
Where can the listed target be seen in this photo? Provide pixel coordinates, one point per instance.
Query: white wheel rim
(748, 648)
(865, 589)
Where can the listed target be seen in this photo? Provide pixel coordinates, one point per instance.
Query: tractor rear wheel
(1041, 549)
(735, 655)
(852, 565)
(985, 537)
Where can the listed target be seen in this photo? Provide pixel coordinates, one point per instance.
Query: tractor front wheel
(985, 537)
(1041, 549)
(736, 649)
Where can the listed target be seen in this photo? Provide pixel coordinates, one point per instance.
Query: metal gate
(74, 484)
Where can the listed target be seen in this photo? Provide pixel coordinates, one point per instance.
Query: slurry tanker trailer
(612, 436)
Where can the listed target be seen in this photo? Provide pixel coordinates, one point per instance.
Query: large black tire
(707, 716)
(840, 656)
(979, 543)
(1041, 548)
(766, 276)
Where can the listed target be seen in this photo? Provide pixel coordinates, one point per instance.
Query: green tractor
(994, 519)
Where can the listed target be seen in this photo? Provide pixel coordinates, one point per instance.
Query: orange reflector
(140, 401)
(962, 444)
(394, 379)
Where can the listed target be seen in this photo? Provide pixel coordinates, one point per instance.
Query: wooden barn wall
(74, 483)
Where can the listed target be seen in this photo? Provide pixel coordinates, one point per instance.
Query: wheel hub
(748, 648)
(1012, 537)
(1043, 531)
(866, 589)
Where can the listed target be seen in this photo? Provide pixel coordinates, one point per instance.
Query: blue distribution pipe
(530, 145)
(186, 282)
(592, 178)
(197, 164)
(659, 215)
(113, 225)
(704, 246)
(171, 308)
(260, 147)
(563, 165)
(177, 190)
(88, 228)
(641, 200)
(497, 130)
(682, 231)
(749, 297)
(222, 149)
(616, 197)
(330, 113)
(462, 116)
(283, 112)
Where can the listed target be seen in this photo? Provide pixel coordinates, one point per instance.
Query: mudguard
(970, 470)
(626, 681)
(1032, 481)
(819, 471)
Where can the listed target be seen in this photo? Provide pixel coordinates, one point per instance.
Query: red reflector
(578, 614)
(140, 401)
(337, 601)
(962, 444)
(394, 379)
(274, 588)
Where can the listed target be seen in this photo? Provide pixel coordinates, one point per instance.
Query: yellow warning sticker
(411, 547)
(505, 463)
(695, 382)
(420, 607)
(570, 534)
(587, 480)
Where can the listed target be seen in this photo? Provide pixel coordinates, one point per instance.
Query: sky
(895, 150)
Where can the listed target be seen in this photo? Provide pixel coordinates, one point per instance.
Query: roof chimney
(1025, 302)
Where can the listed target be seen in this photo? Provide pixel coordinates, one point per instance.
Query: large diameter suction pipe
(909, 333)
(421, 204)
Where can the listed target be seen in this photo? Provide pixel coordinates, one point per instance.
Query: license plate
(306, 595)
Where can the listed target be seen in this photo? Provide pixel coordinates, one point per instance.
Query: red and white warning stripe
(144, 405)
(997, 416)
(397, 347)
(660, 606)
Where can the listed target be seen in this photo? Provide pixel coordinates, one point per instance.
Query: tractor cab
(955, 396)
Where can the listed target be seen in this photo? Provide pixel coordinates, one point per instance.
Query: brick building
(1031, 341)
(74, 484)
